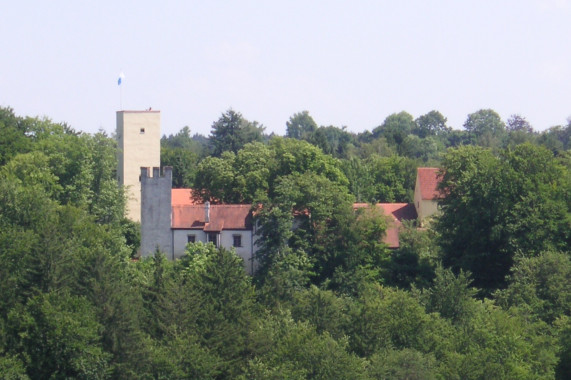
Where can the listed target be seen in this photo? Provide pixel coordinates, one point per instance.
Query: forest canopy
(483, 292)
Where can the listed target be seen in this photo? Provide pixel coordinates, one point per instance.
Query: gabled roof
(397, 213)
(181, 197)
(428, 180)
(222, 217)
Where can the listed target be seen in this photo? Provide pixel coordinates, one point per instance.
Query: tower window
(142, 130)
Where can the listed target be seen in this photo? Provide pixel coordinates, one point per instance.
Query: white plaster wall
(180, 239)
(245, 252)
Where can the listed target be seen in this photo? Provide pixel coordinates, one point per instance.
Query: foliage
(413, 262)
(451, 296)
(322, 211)
(498, 206)
(540, 286)
(485, 128)
(395, 128)
(13, 135)
(286, 349)
(381, 179)
(231, 132)
(300, 126)
(402, 364)
(251, 175)
(60, 338)
(430, 124)
(183, 163)
(74, 305)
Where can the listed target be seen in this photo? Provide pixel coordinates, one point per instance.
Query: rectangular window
(237, 240)
(191, 238)
(142, 131)
(212, 238)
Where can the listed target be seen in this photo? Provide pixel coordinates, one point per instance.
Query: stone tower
(156, 202)
(139, 140)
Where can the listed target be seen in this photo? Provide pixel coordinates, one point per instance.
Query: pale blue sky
(349, 63)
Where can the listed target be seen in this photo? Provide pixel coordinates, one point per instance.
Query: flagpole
(119, 83)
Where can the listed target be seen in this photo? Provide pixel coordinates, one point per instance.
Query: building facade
(426, 194)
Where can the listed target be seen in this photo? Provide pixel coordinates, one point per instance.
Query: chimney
(207, 212)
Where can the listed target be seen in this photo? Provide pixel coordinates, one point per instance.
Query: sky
(349, 63)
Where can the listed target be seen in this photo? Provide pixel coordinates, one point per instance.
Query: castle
(170, 219)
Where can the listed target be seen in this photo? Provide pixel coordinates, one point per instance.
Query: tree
(558, 138)
(393, 178)
(425, 149)
(286, 349)
(518, 123)
(395, 128)
(366, 251)
(252, 166)
(13, 135)
(60, 338)
(332, 140)
(231, 132)
(300, 126)
(322, 210)
(183, 163)
(384, 318)
(413, 262)
(32, 170)
(486, 128)
(497, 206)
(451, 295)
(360, 178)
(431, 124)
(539, 286)
(107, 203)
(223, 298)
(402, 364)
(495, 344)
(215, 179)
(297, 157)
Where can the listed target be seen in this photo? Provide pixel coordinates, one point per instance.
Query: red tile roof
(397, 213)
(222, 217)
(182, 197)
(428, 180)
